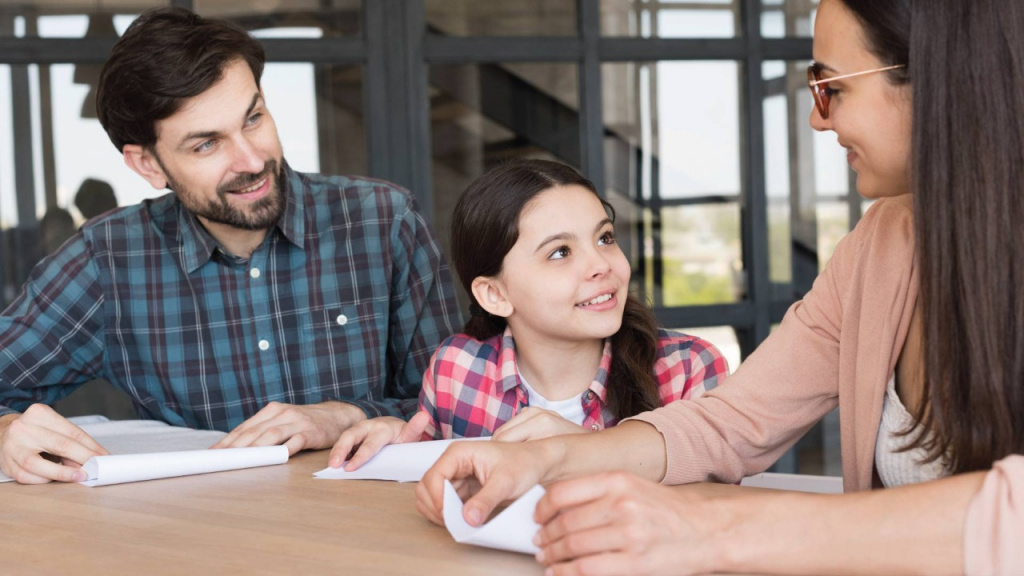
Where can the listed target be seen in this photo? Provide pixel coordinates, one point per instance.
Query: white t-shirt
(571, 409)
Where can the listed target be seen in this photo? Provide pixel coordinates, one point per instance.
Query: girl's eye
(607, 238)
(559, 253)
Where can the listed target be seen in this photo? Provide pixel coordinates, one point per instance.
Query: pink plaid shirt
(472, 387)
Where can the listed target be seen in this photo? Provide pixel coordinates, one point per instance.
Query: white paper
(513, 529)
(398, 462)
(795, 482)
(141, 436)
(118, 469)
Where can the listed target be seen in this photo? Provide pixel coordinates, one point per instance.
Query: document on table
(162, 449)
(118, 469)
(513, 529)
(398, 462)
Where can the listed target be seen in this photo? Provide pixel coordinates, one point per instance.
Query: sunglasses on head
(819, 87)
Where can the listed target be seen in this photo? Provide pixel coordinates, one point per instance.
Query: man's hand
(533, 424)
(369, 436)
(26, 438)
(299, 428)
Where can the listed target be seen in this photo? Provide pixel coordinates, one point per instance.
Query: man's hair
(165, 57)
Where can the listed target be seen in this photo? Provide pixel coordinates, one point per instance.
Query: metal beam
(396, 98)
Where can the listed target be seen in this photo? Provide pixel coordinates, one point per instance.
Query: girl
(915, 329)
(555, 343)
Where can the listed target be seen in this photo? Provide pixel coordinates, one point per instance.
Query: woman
(915, 329)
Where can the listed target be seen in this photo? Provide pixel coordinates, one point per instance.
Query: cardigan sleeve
(791, 380)
(994, 527)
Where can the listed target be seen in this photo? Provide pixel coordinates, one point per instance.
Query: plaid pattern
(473, 387)
(345, 300)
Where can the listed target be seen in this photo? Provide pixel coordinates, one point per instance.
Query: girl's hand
(369, 436)
(619, 523)
(533, 424)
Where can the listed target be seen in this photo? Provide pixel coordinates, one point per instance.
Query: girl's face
(565, 279)
(871, 117)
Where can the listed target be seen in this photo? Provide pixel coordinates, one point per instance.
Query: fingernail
(81, 475)
(473, 515)
(540, 556)
(536, 539)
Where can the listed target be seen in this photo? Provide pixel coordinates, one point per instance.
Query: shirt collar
(198, 246)
(509, 373)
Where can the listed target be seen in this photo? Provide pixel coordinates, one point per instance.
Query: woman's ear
(491, 295)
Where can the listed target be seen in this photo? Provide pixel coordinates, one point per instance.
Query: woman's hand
(619, 523)
(533, 424)
(487, 473)
(369, 436)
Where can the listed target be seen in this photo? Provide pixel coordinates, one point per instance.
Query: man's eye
(254, 118)
(205, 146)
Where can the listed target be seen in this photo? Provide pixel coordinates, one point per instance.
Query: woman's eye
(559, 253)
(607, 238)
(830, 91)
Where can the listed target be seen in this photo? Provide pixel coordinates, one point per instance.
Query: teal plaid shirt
(346, 299)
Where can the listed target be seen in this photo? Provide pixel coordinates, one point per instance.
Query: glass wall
(728, 203)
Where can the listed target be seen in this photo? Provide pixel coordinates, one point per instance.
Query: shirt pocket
(344, 348)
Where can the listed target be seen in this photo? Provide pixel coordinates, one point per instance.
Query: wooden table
(272, 520)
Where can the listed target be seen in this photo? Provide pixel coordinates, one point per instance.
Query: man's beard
(260, 215)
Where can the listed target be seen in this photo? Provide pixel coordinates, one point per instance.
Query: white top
(898, 468)
(570, 409)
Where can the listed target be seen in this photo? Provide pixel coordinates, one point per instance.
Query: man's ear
(143, 162)
(490, 294)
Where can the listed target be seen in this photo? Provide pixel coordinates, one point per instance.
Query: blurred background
(690, 116)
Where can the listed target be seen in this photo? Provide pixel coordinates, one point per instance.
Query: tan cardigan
(837, 346)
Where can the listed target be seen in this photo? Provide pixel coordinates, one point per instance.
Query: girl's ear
(490, 294)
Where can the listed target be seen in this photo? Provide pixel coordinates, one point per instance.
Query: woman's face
(870, 116)
(566, 279)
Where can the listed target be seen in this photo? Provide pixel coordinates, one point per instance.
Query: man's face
(221, 155)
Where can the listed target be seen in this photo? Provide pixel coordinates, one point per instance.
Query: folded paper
(398, 462)
(141, 436)
(513, 529)
(117, 469)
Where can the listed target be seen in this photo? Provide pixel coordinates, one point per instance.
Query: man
(281, 306)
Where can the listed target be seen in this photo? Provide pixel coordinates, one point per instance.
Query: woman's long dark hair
(485, 226)
(966, 65)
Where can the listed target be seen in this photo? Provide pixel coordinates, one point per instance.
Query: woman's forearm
(633, 446)
(915, 529)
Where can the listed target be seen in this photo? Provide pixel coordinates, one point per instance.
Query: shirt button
(590, 395)
(595, 427)
(342, 319)
(255, 272)
(264, 345)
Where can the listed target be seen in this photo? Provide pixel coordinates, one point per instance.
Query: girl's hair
(485, 226)
(964, 61)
